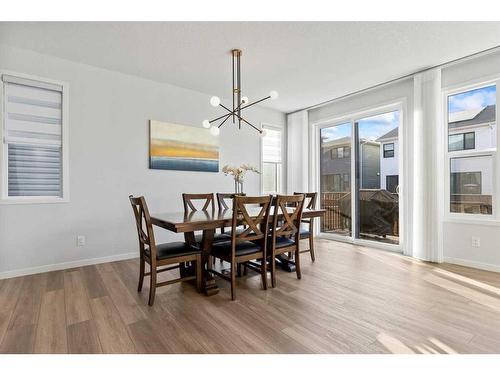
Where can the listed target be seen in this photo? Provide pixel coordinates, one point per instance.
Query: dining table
(208, 221)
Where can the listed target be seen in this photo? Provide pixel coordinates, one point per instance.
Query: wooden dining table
(208, 222)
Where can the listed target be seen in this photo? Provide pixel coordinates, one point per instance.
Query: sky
(472, 99)
(369, 128)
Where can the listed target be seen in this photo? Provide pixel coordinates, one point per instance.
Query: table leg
(208, 284)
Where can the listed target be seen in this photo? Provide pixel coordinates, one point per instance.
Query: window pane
(378, 207)
(271, 146)
(455, 142)
(269, 178)
(469, 141)
(471, 185)
(472, 119)
(335, 176)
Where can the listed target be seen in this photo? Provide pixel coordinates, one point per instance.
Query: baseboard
(470, 263)
(66, 265)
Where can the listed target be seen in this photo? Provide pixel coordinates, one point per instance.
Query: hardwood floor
(352, 300)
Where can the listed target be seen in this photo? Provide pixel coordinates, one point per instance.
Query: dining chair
(222, 204)
(285, 231)
(207, 205)
(307, 225)
(249, 244)
(160, 255)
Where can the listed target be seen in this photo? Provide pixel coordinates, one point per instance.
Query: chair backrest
(221, 199)
(144, 225)
(287, 215)
(188, 199)
(256, 222)
(310, 200)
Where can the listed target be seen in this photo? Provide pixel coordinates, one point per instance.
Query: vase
(238, 187)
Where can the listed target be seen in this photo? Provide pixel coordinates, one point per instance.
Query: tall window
(472, 134)
(32, 139)
(272, 160)
(388, 150)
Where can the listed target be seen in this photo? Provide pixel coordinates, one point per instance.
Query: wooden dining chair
(223, 204)
(250, 244)
(207, 205)
(307, 225)
(160, 255)
(285, 231)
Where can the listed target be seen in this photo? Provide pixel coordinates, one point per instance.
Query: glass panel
(378, 201)
(471, 185)
(335, 179)
(271, 145)
(472, 120)
(269, 177)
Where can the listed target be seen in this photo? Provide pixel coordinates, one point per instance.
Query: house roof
(391, 134)
(486, 115)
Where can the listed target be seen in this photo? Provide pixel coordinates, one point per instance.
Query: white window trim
(457, 217)
(351, 117)
(4, 199)
(280, 128)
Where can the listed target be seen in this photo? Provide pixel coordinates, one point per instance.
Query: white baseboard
(66, 265)
(470, 263)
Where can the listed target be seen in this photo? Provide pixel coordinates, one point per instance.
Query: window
(33, 166)
(388, 150)
(272, 160)
(340, 152)
(391, 183)
(462, 141)
(472, 150)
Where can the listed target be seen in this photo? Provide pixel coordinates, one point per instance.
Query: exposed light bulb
(215, 101)
(274, 95)
(206, 124)
(244, 100)
(214, 130)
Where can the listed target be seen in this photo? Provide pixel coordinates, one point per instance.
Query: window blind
(33, 135)
(271, 145)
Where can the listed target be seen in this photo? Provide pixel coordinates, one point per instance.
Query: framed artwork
(182, 148)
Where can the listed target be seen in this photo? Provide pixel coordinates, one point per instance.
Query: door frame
(352, 117)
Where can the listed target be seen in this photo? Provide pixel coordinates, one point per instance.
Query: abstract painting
(182, 148)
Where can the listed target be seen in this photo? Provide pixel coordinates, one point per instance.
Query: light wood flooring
(351, 300)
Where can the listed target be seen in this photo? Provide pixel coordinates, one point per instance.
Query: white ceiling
(306, 62)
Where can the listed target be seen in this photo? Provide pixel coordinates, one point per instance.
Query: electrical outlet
(80, 241)
(476, 242)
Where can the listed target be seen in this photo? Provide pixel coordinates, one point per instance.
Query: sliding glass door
(359, 178)
(335, 179)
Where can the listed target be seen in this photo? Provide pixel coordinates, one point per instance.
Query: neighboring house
(389, 165)
(472, 130)
(468, 130)
(336, 165)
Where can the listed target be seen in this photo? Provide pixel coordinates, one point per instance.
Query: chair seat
(280, 242)
(218, 237)
(238, 232)
(304, 230)
(173, 249)
(243, 248)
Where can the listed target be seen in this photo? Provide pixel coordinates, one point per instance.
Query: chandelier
(239, 102)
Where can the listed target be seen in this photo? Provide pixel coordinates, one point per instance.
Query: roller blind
(33, 136)
(271, 146)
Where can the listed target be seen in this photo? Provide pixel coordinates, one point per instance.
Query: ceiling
(306, 62)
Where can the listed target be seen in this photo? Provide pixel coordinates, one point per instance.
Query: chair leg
(273, 272)
(311, 247)
(238, 268)
(198, 273)
(233, 281)
(152, 285)
(263, 272)
(141, 274)
(297, 264)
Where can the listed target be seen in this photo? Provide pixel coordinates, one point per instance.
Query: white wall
(457, 247)
(109, 115)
